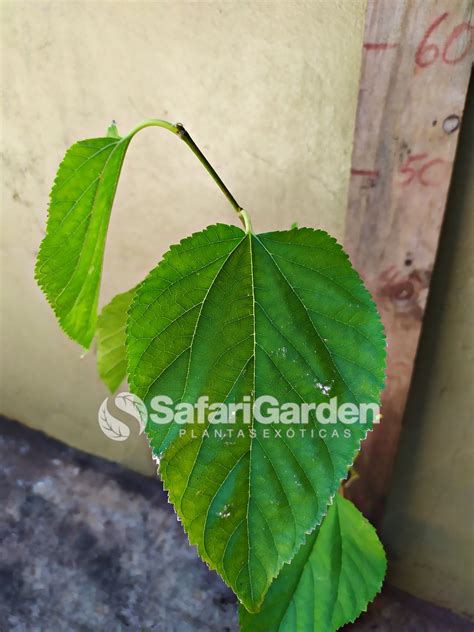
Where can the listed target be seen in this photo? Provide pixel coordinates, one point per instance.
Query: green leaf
(69, 264)
(111, 356)
(333, 577)
(229, 314)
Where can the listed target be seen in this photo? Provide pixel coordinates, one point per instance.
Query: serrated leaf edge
(37, 276)
(158, 457)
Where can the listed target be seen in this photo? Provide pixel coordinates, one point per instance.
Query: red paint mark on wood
(426, 54)
(379, 46)
(365, 172)
(420, 172)
(457, 32)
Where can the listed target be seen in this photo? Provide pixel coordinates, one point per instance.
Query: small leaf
(69, 264)
(231, 315)
(111, 358)
(333, 577)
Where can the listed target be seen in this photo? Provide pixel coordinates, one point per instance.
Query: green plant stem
(180, 131)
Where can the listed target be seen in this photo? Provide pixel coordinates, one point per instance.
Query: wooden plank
(416, 64)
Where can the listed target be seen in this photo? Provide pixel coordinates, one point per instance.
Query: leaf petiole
(180, 131)
(244, 216)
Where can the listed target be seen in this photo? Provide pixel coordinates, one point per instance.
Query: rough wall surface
(267, 89)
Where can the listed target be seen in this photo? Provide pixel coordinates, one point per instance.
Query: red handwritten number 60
(427, 54)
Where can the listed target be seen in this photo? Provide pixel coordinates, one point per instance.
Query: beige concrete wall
(430, 516)
(267, 89)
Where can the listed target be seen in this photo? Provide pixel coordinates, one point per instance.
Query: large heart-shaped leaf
(111, 357)
(330, 581)
(230, 314)
(69, 263)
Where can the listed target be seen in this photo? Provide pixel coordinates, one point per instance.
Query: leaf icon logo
(116, 424)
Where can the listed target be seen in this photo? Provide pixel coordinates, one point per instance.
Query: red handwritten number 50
(419, 172)
(427, 54)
